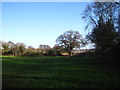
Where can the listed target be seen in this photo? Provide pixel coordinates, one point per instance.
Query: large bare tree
(69, 40)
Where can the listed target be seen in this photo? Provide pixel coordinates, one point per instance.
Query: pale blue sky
(35, 23)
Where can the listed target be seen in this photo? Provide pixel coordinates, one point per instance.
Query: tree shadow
(37, 78)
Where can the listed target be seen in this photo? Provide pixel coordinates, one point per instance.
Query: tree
(44, 49)
(10, 48)
(109, 10)
(69, 40)
(31, 48)
(14, 49)
(57, 50)
(21, 48)
(103, 36)
(103, 17)
(5, 47)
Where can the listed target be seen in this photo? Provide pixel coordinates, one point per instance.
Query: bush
(33, 54)
(7, 53)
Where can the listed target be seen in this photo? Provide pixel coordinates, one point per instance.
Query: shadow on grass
(34, 77)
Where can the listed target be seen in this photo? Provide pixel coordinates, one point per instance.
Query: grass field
(56, 72)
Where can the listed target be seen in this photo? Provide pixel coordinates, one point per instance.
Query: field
(56, 72)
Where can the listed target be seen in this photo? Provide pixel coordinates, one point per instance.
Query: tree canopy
(104, 20)
(69, 40)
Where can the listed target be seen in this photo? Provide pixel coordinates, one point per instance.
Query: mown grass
(56, 72)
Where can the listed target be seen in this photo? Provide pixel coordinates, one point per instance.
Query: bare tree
(69, 40)
(109, 11)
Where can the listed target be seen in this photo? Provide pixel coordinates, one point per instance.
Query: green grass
(56, 72)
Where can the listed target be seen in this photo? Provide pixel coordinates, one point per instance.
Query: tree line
(20, 49)
(64, 43)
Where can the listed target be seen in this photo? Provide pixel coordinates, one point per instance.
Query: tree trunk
(70, 53)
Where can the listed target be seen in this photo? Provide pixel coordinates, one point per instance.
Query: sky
(35, 23)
